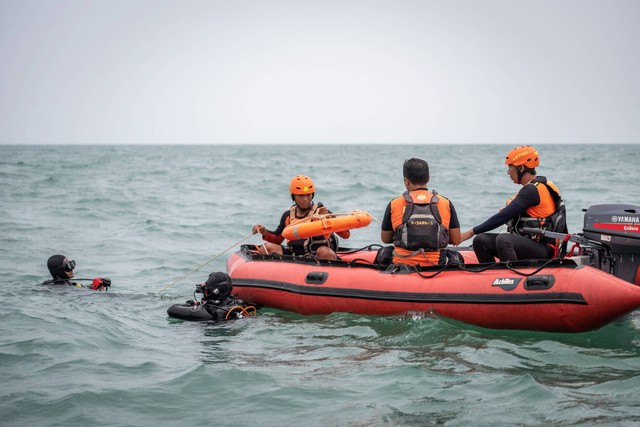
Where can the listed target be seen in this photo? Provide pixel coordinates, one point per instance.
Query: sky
(319, 71)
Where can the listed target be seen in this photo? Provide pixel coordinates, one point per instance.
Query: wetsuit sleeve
(453, 221)
(344, 234)
(276, 235)
(512, 210)
(386, 219)
(528, 196)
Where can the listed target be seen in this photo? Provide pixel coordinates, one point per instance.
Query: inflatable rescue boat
(560, 295)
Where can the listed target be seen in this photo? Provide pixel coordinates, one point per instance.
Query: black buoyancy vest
(421, 226)
(58, 282)
(556, 222)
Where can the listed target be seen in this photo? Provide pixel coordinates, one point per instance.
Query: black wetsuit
(58, 282)
(509, 246)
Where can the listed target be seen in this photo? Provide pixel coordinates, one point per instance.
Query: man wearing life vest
(420, 223)
(537, 205)
(302, 192)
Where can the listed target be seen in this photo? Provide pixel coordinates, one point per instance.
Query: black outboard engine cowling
(617, 228)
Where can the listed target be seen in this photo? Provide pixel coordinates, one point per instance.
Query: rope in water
(236, 244)
(202, 265)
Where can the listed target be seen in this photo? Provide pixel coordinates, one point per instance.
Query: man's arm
(386, 230)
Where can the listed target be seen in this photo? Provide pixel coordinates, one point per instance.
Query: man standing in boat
(537, 205)
(420, 223)
(302, 192)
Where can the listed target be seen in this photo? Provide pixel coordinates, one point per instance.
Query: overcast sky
(320, 71)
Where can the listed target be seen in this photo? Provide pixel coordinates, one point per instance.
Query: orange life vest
(311, 244)
(549, 214)
(419, 237)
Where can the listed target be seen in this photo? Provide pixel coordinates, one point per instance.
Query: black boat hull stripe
(416, 297)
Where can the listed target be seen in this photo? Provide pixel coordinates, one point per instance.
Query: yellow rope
(202, 265)
(335, 214)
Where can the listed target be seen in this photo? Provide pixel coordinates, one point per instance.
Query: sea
(158, 219)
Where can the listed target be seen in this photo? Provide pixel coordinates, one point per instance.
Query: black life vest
(58, 282)
(421, 226)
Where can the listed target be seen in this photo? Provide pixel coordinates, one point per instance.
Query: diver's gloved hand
(100, 283)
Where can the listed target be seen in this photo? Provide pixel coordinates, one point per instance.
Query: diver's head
(218, 287)
(60, 267)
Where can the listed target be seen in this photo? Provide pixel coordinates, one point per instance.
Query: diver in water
(217, 302)
(216, 289)
(61, 269)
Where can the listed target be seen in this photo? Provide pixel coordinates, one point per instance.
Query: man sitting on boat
(420, 223)
(537, 205)
(302, 192)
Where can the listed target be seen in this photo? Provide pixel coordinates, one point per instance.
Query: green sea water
(147, 215)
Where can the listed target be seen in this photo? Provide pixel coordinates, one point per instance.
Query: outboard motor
(615, 231)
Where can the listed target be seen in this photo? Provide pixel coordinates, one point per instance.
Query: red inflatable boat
(557, 295)
(560, 297)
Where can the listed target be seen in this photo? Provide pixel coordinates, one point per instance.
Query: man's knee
(484, 247)
(504, 240)
(482, 241)
(324, 252)
(270, 248)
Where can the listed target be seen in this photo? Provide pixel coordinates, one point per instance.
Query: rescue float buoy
(326, 225)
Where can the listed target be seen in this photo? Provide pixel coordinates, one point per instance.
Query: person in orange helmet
(537, 205)
(302, 191)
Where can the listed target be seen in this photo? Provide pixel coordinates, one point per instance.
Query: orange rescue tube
(324, 226)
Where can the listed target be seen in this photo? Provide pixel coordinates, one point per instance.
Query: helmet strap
(521, 173)
(524, 171)
(293, 196)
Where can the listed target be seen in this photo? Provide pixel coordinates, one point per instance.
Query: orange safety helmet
(523, 155)
(302, 184)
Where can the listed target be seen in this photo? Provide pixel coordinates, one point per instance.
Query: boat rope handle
(507, 265)
(444, 267)
(202, 265)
